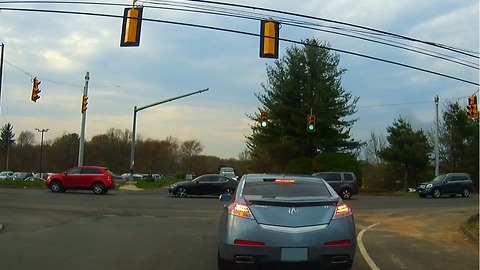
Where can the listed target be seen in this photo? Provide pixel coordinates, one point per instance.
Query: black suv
(450, 183)
(344, 183)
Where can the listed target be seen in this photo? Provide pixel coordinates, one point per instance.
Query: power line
(244, 33)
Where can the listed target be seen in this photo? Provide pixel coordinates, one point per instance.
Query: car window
(203, 179)
(91, 171)
(458, 178)
(297, 189)
(331, 177)
(74, 171)
(348, 177)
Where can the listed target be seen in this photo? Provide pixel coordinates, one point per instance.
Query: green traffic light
(264, 124)
(310, 127)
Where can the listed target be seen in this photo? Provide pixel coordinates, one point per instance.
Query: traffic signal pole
(135, 110)
(84, 118)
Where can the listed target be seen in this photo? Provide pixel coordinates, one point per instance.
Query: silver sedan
(280, 220)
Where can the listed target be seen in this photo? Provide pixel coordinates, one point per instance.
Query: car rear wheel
(466, 192)
(56, 186)
(346, 194)
(222, 263)
(98, 188)
(436, 193)
(182, 192)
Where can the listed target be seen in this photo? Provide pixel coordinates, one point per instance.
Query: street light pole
(43, 130)
(135, 110)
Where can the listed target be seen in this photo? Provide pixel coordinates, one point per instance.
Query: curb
(468, 232)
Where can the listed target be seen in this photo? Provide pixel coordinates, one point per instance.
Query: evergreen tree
(408, 152)
(306, 80)
(6, 141)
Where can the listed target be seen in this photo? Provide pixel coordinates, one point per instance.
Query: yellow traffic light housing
(472, 109)
(35, 90)
(311, 123)
(269, 38)
(84, 103)
(263, 119)
(131, 27)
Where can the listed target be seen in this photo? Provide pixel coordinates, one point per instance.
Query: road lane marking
(363, 251)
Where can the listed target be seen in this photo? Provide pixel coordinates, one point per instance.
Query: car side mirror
(225, 197)
(195, 181)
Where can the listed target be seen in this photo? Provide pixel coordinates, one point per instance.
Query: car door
(448, 184)
(88, 176)
(72, 178)
(198, 185)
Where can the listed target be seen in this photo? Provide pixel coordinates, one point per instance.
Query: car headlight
(429, 186)
(173, 186)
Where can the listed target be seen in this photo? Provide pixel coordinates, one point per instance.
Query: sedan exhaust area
(244, 259)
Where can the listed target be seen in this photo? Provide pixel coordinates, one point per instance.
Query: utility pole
(436, 137)
(84, 118)
(135, 110)
(43, 130)
(1, 70)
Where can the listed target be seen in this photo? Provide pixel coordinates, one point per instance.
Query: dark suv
(450, 183)
(95, 178)
(344, 183)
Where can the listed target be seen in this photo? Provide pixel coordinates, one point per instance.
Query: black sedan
(207, 184)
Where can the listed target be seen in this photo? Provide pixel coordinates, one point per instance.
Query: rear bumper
(310, 248)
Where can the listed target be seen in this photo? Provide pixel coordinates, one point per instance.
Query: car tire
(346, 194)
(222, 263)
(436, 193)
(228, 191)
(98, 188)
(466, 192)
(56, 186)
(182, 192)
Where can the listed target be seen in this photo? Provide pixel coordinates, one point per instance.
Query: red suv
(95, 178)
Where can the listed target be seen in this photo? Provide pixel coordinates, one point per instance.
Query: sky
(174, 59)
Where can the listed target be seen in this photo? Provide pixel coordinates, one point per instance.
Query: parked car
(20, 176)
(6, 175)
(344, 183)
(207, 184)
(228, 172)
(273, 220)
(34, 179)
(446, 184)
(98, 179)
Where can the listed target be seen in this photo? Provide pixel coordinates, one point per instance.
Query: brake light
(240, 210)
(284, 181)
(338, 243)
(247, 243)
(342, 210)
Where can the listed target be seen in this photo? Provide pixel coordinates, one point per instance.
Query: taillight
(342, 210)
(240, 210)
(338, 243)
(248, 243)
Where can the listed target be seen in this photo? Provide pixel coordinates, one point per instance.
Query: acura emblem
(293, 211)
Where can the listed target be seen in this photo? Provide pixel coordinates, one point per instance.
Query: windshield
(439, 178)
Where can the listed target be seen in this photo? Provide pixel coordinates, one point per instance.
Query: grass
(155, 184)
(36, 184)
(472, 226)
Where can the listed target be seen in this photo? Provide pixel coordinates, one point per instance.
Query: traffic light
(84, 103)
(263, 119)
(131, 27)
(35, 90)
(472, 109)
(269, 37)
(311, 123)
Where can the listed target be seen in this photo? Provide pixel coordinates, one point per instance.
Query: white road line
(364, 252)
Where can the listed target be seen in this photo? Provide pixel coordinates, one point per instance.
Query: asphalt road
(150, 230)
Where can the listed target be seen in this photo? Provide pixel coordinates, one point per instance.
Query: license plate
(294, 254)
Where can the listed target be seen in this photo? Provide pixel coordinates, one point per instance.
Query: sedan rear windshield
(296, 189)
